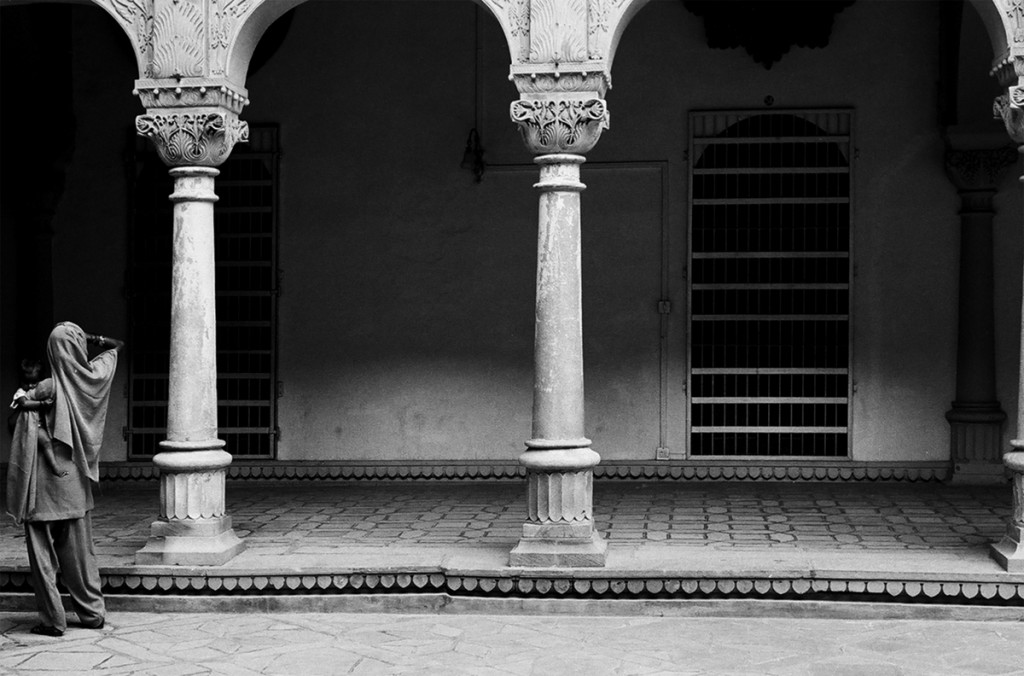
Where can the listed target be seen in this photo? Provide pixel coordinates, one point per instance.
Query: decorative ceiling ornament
(767, 29)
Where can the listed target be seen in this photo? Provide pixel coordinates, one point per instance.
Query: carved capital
(979, 169)
(560, 125)
(1009, 108)
(194, 137)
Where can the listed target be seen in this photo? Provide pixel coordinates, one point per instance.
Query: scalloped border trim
(508, 471)
(985, 593)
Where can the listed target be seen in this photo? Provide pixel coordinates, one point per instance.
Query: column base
(591, 552)
(1009, 552)
(198, 542)
(193, 529)
(559, 531)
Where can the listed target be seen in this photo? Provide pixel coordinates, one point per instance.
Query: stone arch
(627, 11)
(1003, 20)
(260, 14)
(1005, 26)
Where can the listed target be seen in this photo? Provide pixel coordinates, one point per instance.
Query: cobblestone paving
(311, 644)
(312, 518)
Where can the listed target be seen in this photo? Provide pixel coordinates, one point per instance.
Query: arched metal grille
(769, 284)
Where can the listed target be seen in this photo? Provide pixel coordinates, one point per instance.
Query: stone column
(193, 528)
(559, 530)
(976, 419)
(1009, 551)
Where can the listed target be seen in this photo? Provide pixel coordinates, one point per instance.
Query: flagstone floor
(283, 519)
(245, 644)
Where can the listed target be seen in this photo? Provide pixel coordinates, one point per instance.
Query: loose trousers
(64, 546)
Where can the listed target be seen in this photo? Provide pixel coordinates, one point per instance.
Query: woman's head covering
(81, 393)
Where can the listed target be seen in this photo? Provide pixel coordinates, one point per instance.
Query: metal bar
(757, 171)
(770, 287)
(770, 200)
(769, 400)
(774, 318)
(771, 254)
(736, 429)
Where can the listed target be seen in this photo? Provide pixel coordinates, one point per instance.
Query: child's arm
(23, 403)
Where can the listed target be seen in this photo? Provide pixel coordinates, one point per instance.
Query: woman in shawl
(58, 527)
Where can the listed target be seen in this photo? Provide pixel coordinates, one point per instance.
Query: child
(32, 398)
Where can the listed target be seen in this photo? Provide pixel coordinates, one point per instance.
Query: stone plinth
(559, 530)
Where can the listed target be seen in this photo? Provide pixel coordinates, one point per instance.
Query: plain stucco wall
(406, 313)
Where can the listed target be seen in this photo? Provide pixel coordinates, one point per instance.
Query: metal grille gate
(246, 254)
(769, 284)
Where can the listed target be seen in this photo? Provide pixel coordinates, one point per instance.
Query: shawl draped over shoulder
(81, 394)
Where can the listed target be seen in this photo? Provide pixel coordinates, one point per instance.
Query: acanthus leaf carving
(197, 138)
(179, 41)
(558, 31)
(560, 125)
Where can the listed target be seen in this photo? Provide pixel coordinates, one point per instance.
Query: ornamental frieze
(205, 94)
(200, 138)
(547, 83)
(560, 125)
